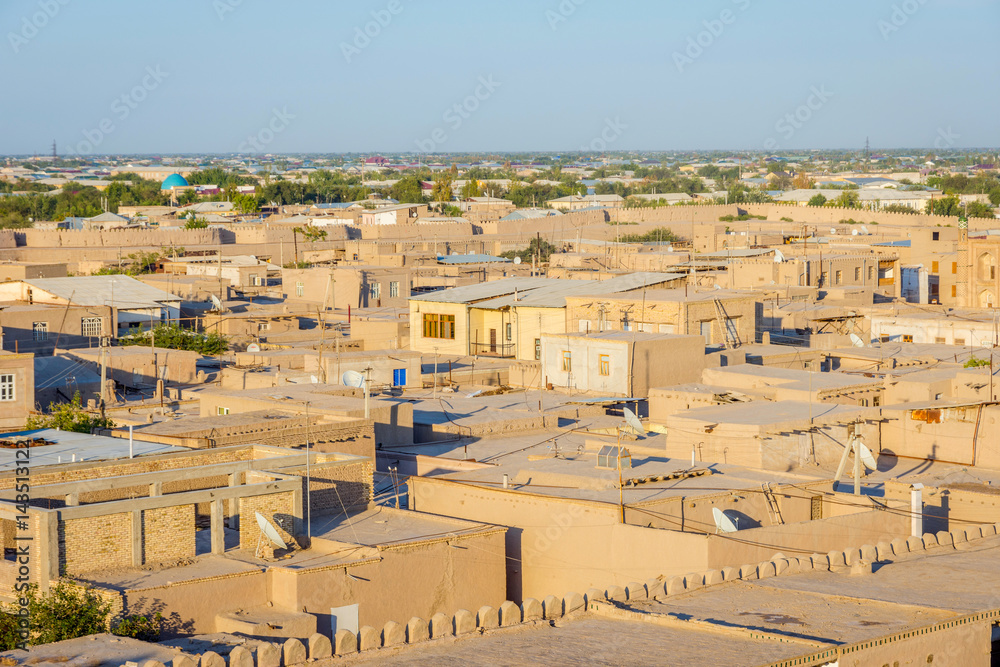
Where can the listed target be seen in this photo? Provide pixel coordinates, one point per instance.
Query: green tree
(194, 222)
(246, 204)
(442, 188)
(408, 191)
(899, 208)
(977, 209)
(995, 196)
(944, 206)
(848, 199)
(173, 337)
(817, 200)
(69, 417)
(471, 189)
(538, 246)
(66, 611)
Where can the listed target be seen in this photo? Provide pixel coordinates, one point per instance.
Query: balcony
(498, 350)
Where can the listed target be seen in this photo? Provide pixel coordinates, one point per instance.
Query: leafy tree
(803, 182)
(899, 208)
(143, 628)
(442, 188)
(817, 200)
(660, 234)
(66, 611)
(408, 191)
(194, 222)
(138, 264)
(848, 199)
(173, 337)
(944, 206)
(977, 209)
(10, 636)
(538, 246)
(69, 417)
(246, 204)
(975, 362)
(995, 196)
(471, 189)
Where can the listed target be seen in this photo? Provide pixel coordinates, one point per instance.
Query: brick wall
(343, 487)
(96, 543)
(277, 508)
(168, 534)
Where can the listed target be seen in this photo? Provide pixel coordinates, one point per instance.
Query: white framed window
(91, 327)
(221, 411)
(300, 289)
(7, 392)
(263, 326)
(40, 331)
(393, 289)
(375, 290)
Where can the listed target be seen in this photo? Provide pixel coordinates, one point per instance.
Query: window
(954, 290)
(939, 341)
(439, 326)
(91, 327)
(7, 387)
(510, 331)
(604, 362)
(263, 326)
(300, 289)
(935, 236)
(907, 338)
(934, 267)
(538, 349)
(959, 341)
(221, 411)
(567, 361)
(375, 290)
(857, 274)
(871, 272)
(840, 277)
(824, 279)
(954, 267)
(393, 289)
(40, 331)
(254, 280)
(816, 508)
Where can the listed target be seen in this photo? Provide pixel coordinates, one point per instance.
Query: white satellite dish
(216, 303)
(854, 232)
(353, 379)
(670, 248)
(864, 230)
(268, 531)
(833, 230)
(867, 458)
(517, 260)
(723, 524)
(856, 340)
(779, 257)
(634, 423)
(253, 347)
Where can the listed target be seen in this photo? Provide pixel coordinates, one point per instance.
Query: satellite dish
(779, 257)
(856, 340)
(517, 260)
(253, 347)
(216, 304)
(854, 232)
(353, 379)
(670, 248)
(864, 230)
(833, 230)
(474, 394)
(269, 532)
(723, 524)
(634, 423)
(867, 459)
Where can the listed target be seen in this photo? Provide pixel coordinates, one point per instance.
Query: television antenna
(723, 524)
(633, 423)
(267, 531)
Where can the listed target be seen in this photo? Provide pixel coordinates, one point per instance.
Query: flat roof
(83, 446)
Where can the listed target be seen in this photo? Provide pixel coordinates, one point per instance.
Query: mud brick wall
(278, 508)
(168, 534)
(95, 543)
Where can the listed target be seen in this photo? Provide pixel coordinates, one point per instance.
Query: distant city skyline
(393, 76)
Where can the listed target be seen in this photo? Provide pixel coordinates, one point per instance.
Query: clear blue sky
(905, 80)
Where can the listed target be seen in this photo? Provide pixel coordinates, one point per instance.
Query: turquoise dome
(174, 181)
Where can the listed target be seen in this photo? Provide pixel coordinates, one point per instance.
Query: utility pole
(322, 343)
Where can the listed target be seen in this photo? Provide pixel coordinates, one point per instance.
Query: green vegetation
(143, 628)
(658, 235)
(975, 362)
(194, 222)
(68, 417)
(173, 337)
(741, 217)
(297, 265)
(66, 611)
(817, 200)
(899, 208)
(787, 220)
(538, 246)
(138, 264)
(953, 207)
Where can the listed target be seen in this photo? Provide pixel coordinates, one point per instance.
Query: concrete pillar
(155, 489)
(917, 510)
(234, 503)
(72, 499)
(48, 547)
(217, 529)
(136, 538)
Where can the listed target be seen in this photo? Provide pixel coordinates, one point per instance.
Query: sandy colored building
(620, 363)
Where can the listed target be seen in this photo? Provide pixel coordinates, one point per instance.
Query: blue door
(399, 377)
